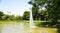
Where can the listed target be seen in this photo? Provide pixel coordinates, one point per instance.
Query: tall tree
(53, 9)
(35, 9)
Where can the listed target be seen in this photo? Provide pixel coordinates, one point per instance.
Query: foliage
(49, 24)
(4, 17)
(19, 18)
(43, 15)
(11, 17)
(37, 15)
(1, 14)
(52, 7)
(26, 15)
(34, 10)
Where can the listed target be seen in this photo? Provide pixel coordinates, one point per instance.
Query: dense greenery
(1, 14)
(52, 7)
(48, 24)
(42, 15)
(26, 15)
(9, 17)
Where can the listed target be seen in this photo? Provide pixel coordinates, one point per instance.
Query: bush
(49, 24)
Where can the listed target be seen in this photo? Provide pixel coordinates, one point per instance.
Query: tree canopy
(26, 15)
(52, 6)
(1, 14)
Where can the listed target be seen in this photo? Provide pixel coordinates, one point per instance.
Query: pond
(19, 27)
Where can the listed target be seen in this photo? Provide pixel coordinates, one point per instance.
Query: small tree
(1, 14)
(19, 18)
(26, 15)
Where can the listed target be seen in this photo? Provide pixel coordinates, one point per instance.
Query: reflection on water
(17, 27)
(41, 31)
(9, 28)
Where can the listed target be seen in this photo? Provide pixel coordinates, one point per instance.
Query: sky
(14, 7)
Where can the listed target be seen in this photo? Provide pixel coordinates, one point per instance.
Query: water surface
(18, 27)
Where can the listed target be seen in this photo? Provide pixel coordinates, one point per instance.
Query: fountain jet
(31, 21)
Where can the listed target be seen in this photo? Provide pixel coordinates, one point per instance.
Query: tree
(7, 17)
(1, 14)
(53, 9)
(43, 15)
(34, 10)
(4, 17)
(19, 18)
(26, 15)
(11, 17)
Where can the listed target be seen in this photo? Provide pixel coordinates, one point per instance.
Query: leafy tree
(4, 17)
(43, 14)
(1, 14)
(35, 10)
(7, 17)
(26, 15)
(11, 17)
(53, 9)
(19, 18)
